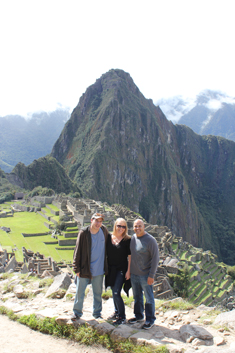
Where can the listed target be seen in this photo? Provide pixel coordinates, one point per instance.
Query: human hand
(78, 274)
(150, 281)
(128, 275)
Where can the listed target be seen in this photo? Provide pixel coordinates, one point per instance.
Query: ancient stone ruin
(209, 282)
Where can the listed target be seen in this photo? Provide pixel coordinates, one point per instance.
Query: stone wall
(11, 264)
(34, 234)
(45, 199)
(67, 242)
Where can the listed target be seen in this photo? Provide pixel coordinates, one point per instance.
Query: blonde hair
(125, 234)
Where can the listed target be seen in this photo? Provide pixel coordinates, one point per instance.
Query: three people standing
(120, 257)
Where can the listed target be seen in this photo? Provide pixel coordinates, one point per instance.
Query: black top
(117, 254)
(117, 260)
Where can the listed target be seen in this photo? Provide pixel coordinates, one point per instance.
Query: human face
(139, 228)
(120, 228)
(96, 224)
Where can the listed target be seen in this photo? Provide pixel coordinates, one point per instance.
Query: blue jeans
(140, 285)
(97, 287)
(117, 299)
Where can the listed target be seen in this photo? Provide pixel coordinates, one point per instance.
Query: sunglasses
(119, 226)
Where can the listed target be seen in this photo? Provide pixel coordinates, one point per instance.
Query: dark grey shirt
(144, 255)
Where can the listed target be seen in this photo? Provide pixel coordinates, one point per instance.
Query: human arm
(154, 253)
(76, 255)
(128, 272)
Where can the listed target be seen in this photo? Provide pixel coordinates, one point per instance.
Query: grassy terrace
(194, 289)
(199, 290)
(205, 267)
(56, 218)
(204, 276)
(215, 290)
(225, 284)
(193, 284)
(215, 283)
(221, 293)
(205, 297)
(190, 257)
(182, 256)
(30, 222)
(53, 207)
(48, 213)
(193, 273)
(218, 278)
(71, 229)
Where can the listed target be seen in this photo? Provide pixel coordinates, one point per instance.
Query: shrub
(6, 196)
(180, 282)
(231, 271)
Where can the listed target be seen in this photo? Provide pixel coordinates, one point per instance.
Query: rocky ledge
(202, 329)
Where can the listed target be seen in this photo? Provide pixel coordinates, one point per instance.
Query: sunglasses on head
(119, 226)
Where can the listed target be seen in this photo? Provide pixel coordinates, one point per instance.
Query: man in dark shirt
(90, 264)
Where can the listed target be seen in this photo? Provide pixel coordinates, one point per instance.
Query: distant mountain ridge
(45, 172)
(24, 140)
(210, 113)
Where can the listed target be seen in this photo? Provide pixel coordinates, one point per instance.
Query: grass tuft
(5, 275)
(45, 282)
(180, 304)
(107, 294)
(83, 334)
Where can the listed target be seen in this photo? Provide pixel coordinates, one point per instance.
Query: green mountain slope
(120, 148)
(7, 190)
(45, 172)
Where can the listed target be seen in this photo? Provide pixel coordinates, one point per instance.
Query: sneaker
(119, 322)
(147, 325)
(114, 316)
(75, 317)
(98, 317)
(134, 320)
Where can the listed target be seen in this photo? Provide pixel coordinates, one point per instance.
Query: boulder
(61, 282)
(226, 319)
(195, 331)
(19, 291)
(46, 273)
(24, 268)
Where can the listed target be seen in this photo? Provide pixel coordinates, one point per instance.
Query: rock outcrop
(185, 329)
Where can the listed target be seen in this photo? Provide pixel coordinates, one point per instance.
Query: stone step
(70, 235)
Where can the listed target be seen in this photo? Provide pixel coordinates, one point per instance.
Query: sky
(51, 51)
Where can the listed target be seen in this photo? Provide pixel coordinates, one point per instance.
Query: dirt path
(17, 338)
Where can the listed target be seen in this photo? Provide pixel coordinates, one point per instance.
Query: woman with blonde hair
(119, 260)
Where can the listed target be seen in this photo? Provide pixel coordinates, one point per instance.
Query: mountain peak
(176, 108)
(207, 95)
